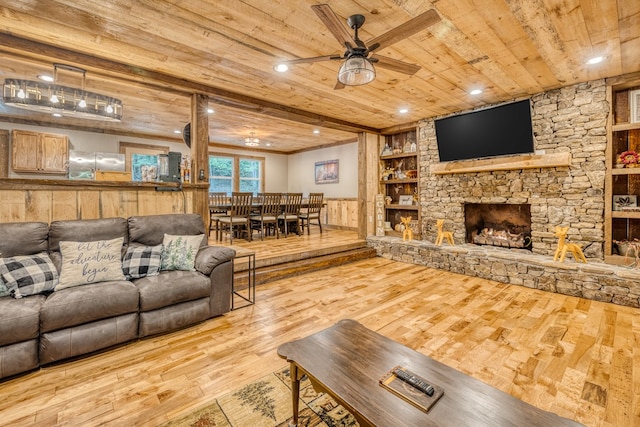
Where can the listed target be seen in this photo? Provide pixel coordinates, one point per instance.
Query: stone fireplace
(498, 224)
(569, 120)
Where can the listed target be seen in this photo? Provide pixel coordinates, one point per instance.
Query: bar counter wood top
(65, 184)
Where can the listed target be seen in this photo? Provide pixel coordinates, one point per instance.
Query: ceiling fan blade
(314, 59)
(405, 30)
(333, 24)
(339, 85)
(395, 65)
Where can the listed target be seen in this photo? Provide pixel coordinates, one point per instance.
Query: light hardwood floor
(575, 357)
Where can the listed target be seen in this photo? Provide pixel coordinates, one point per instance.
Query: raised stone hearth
(596, 281)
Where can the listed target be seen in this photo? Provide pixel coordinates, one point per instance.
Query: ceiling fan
(357, 68)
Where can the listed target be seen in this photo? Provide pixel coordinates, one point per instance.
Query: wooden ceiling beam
(32, 49)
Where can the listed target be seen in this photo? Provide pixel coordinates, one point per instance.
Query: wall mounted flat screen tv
(497, 131)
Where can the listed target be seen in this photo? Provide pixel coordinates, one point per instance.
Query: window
(250, 175)
(220, 174)
(230, 173)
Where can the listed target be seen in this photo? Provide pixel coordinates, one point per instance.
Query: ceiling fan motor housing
(355, 21)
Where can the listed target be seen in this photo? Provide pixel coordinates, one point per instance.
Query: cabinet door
(54, 151)
(24, 151)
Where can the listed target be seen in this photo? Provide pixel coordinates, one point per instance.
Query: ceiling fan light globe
(356, 71)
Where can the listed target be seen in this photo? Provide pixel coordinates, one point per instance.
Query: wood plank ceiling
(153, 54)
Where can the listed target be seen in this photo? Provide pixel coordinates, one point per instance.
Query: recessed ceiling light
(595, 60)
(476, 92)
(210, 111)
(268, 144)
(45, 77)
(403, 110)
(57, 115)
(316, 131)
(177, 131)
(281, 68)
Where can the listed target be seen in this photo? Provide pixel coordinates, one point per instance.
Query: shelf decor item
(634, 104)
(624, 201)
(629, 159)
(405, 200)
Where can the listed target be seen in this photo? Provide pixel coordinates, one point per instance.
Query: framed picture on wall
(327, 172)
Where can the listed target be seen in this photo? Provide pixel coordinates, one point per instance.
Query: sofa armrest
(209, 257)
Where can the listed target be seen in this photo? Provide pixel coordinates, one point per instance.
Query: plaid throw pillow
(28, 274)
(141, 261)
(4, 291)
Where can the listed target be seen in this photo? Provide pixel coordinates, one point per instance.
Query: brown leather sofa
(41, 329)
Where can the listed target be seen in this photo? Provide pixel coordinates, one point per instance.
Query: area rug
(267, 402)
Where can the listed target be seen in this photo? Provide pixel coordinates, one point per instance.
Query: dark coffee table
(347, 361)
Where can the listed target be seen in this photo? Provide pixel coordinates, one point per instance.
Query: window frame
(235, 181)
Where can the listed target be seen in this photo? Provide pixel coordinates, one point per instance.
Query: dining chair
(268, 215)
(238, 218)
(290, 212)
(312, 212)
(217, 210)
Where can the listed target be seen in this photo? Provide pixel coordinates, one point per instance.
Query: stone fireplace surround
(570, 119)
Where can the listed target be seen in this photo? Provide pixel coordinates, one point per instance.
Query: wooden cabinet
(35, 152)
(622, 186)
(399, 180)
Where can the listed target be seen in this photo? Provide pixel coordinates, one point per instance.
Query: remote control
(414, 381)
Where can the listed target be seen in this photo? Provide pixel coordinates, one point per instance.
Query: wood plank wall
(341, 213)
(39, 200)
(50, 203)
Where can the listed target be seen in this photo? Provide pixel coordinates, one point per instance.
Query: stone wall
(569, 119)
(596, 281)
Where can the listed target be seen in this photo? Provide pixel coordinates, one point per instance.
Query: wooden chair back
(241, 204)
(292, 204)
(270, 204)
(218, 199)
(315, 202)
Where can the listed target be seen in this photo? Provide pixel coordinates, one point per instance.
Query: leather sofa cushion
(173, 317)
(149, 230)
(23, 238)
(20, 318)
(83, 339)
(18, 358)
(171, 287)
(87, 303)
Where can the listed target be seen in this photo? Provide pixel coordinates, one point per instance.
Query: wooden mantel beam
(126, 72)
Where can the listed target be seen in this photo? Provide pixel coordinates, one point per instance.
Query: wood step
(273, 269)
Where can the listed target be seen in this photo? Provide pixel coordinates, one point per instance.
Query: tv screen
(496, 131)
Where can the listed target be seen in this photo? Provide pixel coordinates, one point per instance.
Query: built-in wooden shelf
(403, 207)
(625, 214)
(401, 181)
(625, 171)
(525, 161)
(625, 126)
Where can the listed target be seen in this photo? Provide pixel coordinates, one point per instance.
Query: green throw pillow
(179, 252)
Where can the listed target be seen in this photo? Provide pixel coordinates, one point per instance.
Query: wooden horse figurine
(443, 234)
(563, 246)
(407, 233)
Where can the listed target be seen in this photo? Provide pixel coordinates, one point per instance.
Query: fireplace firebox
(498, 224)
